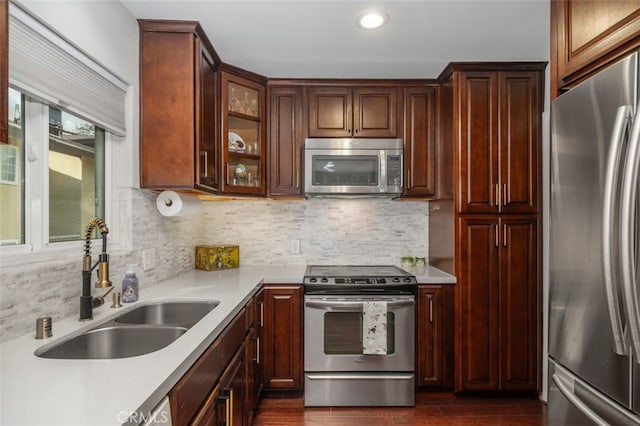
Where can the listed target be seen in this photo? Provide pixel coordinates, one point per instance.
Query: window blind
(48, 67)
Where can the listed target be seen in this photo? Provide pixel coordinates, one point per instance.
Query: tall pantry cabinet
(495, 121)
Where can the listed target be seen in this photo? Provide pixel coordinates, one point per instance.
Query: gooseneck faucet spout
(88, 302)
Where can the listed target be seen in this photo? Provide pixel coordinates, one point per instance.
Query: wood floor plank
(434, 409)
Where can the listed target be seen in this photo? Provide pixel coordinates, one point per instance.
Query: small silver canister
(43, 328)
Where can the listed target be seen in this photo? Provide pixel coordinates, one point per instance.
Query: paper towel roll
(171, 203)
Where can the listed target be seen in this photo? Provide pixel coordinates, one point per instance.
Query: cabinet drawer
(189, 393)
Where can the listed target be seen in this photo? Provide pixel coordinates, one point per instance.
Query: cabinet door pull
(497, 237)
(431, 311)
(408, 178)
(204, 156)
(257, 356)
(223, 399)
(349, 120)
(497, 187)
(230, 422)
(298, 178)
(504, 195)
(226, 398)
(261, 314)
(504, 235)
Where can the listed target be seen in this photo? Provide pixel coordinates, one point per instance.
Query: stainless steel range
(357, 278)
(359, 336)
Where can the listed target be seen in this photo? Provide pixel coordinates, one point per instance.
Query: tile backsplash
(338, 231)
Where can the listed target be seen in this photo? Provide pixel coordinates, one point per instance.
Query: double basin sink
(139, 331)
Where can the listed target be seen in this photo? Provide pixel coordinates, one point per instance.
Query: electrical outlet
(148, 259)
(294, 246)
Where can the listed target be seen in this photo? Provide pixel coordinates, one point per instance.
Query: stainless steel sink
(114, 342)
(142, 330)
(181, 314)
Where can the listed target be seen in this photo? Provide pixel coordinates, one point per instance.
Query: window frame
(36, 246)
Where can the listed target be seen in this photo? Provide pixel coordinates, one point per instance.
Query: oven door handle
(344, 304)
(356, 376)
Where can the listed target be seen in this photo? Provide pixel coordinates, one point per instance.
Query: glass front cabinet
(243, 135)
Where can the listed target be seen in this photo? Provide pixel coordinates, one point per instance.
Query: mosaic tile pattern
(338, 231)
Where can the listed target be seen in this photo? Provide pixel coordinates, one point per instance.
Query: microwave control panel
(394, 170)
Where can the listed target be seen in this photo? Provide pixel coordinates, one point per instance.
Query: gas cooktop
(357, 275)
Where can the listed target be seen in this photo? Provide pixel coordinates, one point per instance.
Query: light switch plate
(294, 246)
(148, 259)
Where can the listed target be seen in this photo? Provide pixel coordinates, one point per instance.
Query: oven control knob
(313, 279)
(407, 280)
(396, 280)
(324, 280)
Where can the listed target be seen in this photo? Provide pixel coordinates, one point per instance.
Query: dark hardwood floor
(431, 409)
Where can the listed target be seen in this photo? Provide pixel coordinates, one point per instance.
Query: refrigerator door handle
(565, 386)
(609, 227)
(627, 228)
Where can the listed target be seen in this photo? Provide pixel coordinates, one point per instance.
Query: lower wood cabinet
(225, 405)
(253, 356)
(282, 334)
(223, 386)
(497, 311)
(434, 336)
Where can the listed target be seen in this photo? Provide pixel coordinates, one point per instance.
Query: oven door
(333, 330)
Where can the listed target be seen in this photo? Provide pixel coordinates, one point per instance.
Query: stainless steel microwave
(353, 166)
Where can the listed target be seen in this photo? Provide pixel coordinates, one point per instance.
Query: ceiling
(319, 38)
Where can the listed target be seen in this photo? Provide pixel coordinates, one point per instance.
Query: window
(68, 159)
(63, 107)
(76, 175)
(12, 190)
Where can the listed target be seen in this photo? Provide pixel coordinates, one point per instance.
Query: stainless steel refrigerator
(594, 320)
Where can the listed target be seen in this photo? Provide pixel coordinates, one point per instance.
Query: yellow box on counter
(215, 258)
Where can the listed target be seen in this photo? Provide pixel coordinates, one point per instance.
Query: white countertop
(39, 391)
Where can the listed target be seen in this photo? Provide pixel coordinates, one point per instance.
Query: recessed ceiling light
(372, 19)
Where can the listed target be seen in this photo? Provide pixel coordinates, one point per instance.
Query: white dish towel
(374, 328)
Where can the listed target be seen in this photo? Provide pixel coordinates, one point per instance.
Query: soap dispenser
(130, 286)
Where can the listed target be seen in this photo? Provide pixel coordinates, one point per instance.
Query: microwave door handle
(383, 171)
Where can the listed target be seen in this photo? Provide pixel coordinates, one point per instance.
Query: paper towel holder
(172, 203)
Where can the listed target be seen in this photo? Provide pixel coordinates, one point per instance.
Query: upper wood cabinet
(585, 35)
(420, 141)
(345, 112)
(243, 134)
(498, 114)
(285, 141)
(177, 107)
(4, 71)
